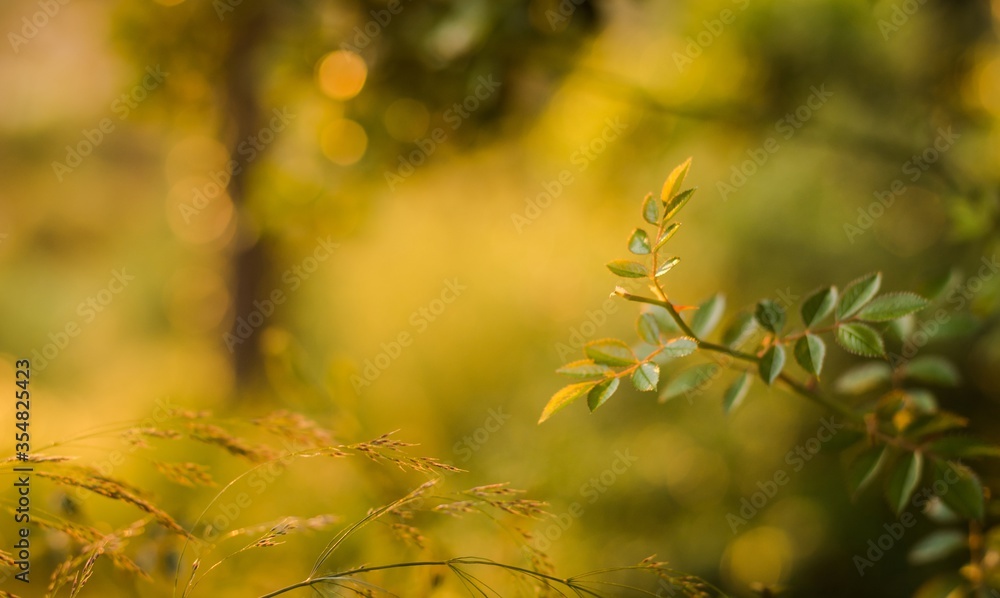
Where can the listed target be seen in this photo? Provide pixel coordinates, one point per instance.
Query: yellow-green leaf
(667, 266)
(666, 234)
(673, 183)
(564, 396)
(584, 368)
(609, 351)
(674, 205)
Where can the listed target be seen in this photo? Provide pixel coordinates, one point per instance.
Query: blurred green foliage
(832, 138)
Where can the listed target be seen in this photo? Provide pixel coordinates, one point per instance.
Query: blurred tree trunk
(240, 103)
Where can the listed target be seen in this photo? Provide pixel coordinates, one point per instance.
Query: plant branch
(796, 386)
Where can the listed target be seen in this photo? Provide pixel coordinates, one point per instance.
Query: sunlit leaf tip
(564, 396)
(673, 183)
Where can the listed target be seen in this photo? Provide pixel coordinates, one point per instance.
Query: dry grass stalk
(499, 496)
(296, 428)
(214, 435)
(186, 474)
(318, 522)
(35, 458)
(137, 436)
(115, 490)
(80, 568)
(386, 449)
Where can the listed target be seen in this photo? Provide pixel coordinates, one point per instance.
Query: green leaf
(651, 209)
(903, 481)
(938, 512)
(809, 352)
(944, 286)
(739, 329)
(935, 423)
(963, 447)
(922, 400)
(936, 546)
(674, 205)
(865, 468)
(771, 363)
(565, 396)
(892, 306)
(675, 180)
(662, 317)
(964, 493)
(667, 233)
(770, 315)
(627, 268)
(646, 377)
(844, 439)
(601, 393)
(681, 346)
(860, 339)
(708, 315)
(691, 381)
(818, 306)
(609, 351)
(638, 242)
(961, 324)
(736, 392)
(931, 369)
(857, 294)
(584, 368)
(648, 328)
(863, 378)
(667, 266)
(902, 328)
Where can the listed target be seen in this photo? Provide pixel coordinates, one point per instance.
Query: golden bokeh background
(458, 173)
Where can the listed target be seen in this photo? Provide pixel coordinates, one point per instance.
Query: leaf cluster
(898, 435)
